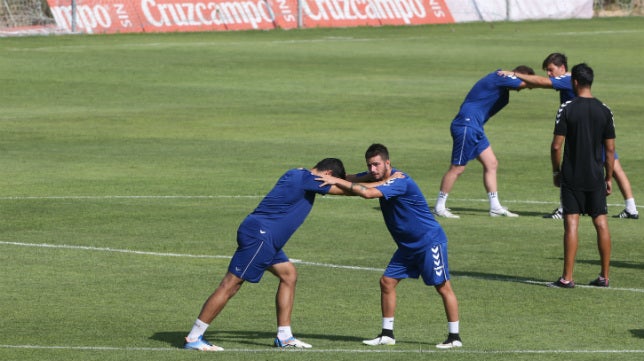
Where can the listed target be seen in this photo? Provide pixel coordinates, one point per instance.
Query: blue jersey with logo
(487, 97)
(563, 84)
(285, 207)
(407, 215)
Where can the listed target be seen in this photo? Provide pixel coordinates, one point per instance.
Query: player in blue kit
(422, 244)
(487, 97)
(260, 239)
(559, 79)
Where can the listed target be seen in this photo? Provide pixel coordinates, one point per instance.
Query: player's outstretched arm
(533, 81)
(344, 187)
(359, 178)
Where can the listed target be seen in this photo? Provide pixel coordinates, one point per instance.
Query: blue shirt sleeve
(563, 84)
(393, 187)
(310, 184)
(509, 81)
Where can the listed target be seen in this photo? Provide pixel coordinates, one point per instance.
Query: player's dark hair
(523, 69)
(583, 74)
(334, 165)
(558, 59)
(377, 149)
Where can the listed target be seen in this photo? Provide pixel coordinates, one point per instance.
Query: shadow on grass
(484, 211)
(498, 277)
(638, 333)
(257, 338)
(613, 263)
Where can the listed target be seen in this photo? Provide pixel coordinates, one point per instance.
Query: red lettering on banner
(95, 16)
(374, 12)
(113, 16)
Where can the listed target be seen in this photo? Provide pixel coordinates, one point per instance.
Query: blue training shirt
(285, 207)
(407, 215)
(487, 97)
(563, 84)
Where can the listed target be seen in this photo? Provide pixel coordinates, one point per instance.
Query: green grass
(129, 154)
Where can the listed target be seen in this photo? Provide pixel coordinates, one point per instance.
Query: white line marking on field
(317, 264)
(329, 265)
(107, 249)
(17, 198)
(599, 32)
(296, 261)
(362, 350)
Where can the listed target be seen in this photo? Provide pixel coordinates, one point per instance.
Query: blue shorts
(255, 253)
(430, 264)
(467, 144)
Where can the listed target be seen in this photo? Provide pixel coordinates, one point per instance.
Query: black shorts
(592, 203)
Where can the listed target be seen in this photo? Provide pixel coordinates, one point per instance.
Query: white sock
(494, 200)
(198, 329)
(630, 206)
(284, 332)
(387, 323)
(440, 201)
(452, 327)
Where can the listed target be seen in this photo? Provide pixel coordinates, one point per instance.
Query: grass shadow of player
(255, 338)
(639, 333)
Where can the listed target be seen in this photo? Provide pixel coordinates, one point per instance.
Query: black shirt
(586, 123)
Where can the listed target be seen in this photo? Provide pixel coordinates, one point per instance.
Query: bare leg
(603, 243)
(218, 299)
(449, 301)
(450, 177)
(571, 241)
(285, 295)
(388, 295)
(490, 166)
(622, 180)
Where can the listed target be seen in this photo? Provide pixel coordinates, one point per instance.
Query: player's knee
(387, 284)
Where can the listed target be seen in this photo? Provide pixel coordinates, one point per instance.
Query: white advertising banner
(516, 10)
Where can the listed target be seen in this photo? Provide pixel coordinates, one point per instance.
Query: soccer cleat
(502, 212)
(561, 283)
(628, 215)
(201, 345)
(556, 214)
(453, 341)
(445, 213)
(599, 282)
(380, 340)
(291, 343)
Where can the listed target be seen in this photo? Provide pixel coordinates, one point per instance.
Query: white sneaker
(447, 344)
(201, 344)
(502, 212)
(291, 342)
(380, 340)
(445, 213)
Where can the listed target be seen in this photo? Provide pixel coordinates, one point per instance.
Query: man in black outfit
(585, 124)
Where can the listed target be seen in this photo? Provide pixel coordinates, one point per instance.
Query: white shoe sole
(378, 341)
(453, 344)
(445, 214)
(503, 213)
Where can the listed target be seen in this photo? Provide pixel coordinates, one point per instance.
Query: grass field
(128, 161)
